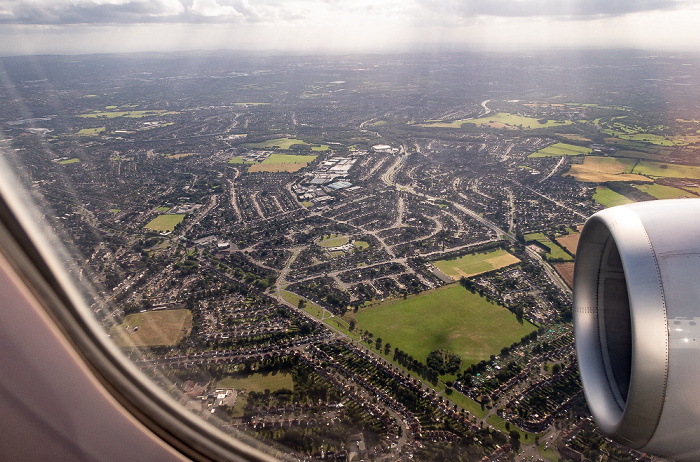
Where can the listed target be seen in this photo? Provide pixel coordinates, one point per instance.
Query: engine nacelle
(637, 324)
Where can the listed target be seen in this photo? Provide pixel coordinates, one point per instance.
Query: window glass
(360, 249)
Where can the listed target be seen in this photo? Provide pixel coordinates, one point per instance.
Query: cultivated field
(449, 318)
(556, 252)
(165, 222)
(561, 149)
(601, 169)
(661, 169)
(569, 242)
(663, 192)
(566, 271)
(153, 328)
(609, 198)
(475, 263)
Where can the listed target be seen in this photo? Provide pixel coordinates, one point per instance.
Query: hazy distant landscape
(368, 256)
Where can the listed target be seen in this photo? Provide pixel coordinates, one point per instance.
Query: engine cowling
(637, 324)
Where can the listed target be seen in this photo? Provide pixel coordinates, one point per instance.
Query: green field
(467, 403)
(258, 382)
(155, 328)
(307, 204)
(661, 169)
(609, 198)
(449, 318)
(284, 143)
(475, 263)
(288, 159)
(311, 308)
(74, 160)
(333, 242)
(90, 131)
(166, 222)
(500, 120)
(663, 192)
(239, 160)
(561, 149)
(163, 209)
(115, 211)
(601, 169)
(555, 253)
(131, 114)
(361, 245)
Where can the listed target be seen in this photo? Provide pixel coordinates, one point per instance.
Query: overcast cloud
(97, 25)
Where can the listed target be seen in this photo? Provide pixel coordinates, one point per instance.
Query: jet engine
(637, 324)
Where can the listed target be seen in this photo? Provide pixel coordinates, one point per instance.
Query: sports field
(449, 318)
(609, 198)
(663, 192)
(475, 263)
(333, 241)
(165, 222)
(556, 252)
(258, 382)
(153, 328)
(601, 169)
(561, 149)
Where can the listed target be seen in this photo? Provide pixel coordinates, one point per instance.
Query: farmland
(555, 252)
(609, 198)
(476, 263)
(449, 318)
(601, 169)
(561, 149)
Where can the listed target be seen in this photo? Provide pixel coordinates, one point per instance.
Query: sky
(97, 26)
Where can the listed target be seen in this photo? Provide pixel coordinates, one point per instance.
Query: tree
(351, 327)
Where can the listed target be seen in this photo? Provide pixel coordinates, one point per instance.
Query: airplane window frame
(32, 255)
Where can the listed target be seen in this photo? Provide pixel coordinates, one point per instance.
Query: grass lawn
(155, 328)
(285, 143)
(239, 160)
(555, 252)
(361, 245)
(467, 403)
(449, 318)
(180, 156)
(548, 453)
(561, 149)
(663, 192)
(475, 263)
(333, 242)
(90, 131)
(291, 168)
(307, 204)
(499, 423)
(132, 114)
(258, 382)
(166, 222)
(311, 307)
(163, 209)
(74, 160)
(115, 211)
(288, 159)
(609, 198)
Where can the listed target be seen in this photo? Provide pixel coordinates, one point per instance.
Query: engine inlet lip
(634, 421)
